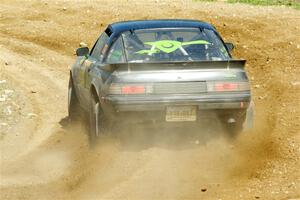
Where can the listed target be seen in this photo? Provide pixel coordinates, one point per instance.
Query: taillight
(221, 87)
(227, 86)
(133, 89)
(128, 89)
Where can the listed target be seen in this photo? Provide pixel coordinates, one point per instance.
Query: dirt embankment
(43, 158)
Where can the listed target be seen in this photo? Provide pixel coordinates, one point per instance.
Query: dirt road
(42, 157)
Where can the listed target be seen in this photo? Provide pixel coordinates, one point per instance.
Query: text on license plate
(181, 113)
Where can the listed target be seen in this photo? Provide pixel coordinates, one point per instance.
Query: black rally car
(162, 71)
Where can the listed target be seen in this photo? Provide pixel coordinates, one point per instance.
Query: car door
(85, 65)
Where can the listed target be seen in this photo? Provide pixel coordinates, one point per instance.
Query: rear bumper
(159, 102)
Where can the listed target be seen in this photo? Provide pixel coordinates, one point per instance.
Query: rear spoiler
(224, 64)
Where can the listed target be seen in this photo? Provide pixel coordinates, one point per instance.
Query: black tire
(98, 126)
(74, 110)
(249, 119)
(233, 129)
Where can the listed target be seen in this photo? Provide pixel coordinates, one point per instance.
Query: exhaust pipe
(231, 120)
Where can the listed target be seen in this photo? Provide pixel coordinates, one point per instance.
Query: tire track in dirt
(41, 89)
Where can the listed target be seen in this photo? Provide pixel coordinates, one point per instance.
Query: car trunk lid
(178, 71)
(177, 77)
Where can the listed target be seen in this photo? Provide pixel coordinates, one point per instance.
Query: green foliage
(291, 3)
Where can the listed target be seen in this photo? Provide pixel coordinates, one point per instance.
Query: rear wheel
(74, 110)
(249, 121)
(97, 121)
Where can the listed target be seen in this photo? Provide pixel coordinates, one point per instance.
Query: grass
(290, 3)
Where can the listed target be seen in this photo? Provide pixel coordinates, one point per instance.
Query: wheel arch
(96, 84)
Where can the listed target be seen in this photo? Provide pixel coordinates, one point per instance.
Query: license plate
(181, 113)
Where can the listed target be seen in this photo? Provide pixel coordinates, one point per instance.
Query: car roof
(119, 27)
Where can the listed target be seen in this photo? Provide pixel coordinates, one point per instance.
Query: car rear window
(173, 44)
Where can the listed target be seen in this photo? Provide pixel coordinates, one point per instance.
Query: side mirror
(229, 46)
(82, 51)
